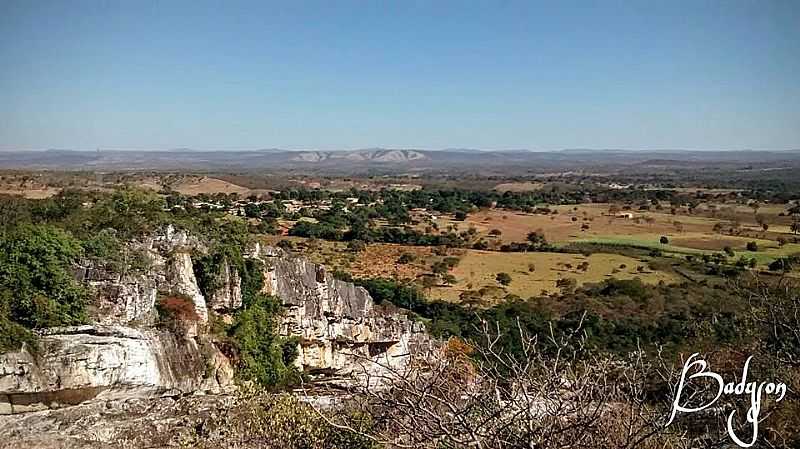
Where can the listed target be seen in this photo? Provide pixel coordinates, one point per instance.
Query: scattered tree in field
(439, 268)
(729, 251)
(356, 246)
(428, 282)
(531, 267)
(736, 226)
(451, 261)
(664, 240)
(536, 237)
(583, 266)
(503, 278)
(783, 264)
(495, 232)
(781, 240)
(567, 285)
(406, 258)
(752, 246)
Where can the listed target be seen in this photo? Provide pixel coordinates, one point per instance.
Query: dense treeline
(616, 315)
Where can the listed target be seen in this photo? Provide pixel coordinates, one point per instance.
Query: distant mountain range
(381, 160)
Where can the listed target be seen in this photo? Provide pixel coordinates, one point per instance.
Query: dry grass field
(528, 186)
(566, 225)
(34, 194)
(687, 234)
(588, 222)
(478, 269)
(196, 186)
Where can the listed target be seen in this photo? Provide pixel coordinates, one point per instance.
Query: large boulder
(75, 364)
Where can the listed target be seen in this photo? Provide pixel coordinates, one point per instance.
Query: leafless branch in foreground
(479, 396)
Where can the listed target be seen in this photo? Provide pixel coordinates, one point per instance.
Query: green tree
(356, 246)
(503, 278)
(37, 287)
(251, 210)
(264, 356)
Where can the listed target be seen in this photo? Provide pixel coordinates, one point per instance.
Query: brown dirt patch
(519, 186)
(197, 186)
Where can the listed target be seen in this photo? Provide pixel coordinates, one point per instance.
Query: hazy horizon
(452, 149)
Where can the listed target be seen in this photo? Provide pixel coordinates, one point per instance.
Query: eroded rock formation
(342, 334)
(80, 363)
(228, 296)
(341, 330)
(122, 354)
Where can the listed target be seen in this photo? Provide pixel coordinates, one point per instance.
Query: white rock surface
(75, 364)
(229, 296)
(341, 330)
(182, 281)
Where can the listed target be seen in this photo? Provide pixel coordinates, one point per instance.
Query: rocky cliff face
(122, 354)
(229, 296)
(81, 363)
(342, 333)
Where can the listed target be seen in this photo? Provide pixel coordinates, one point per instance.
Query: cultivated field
(593, 223)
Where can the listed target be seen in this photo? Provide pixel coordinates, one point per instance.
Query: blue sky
(340, 75)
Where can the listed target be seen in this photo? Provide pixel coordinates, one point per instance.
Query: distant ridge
(389, 160)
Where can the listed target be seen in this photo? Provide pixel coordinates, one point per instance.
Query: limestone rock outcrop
(126, 353)
(181, 281)
(130, 298)
(76, 364)
(120, 299)
(122, 354)
(341, 330)
(228, 296)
